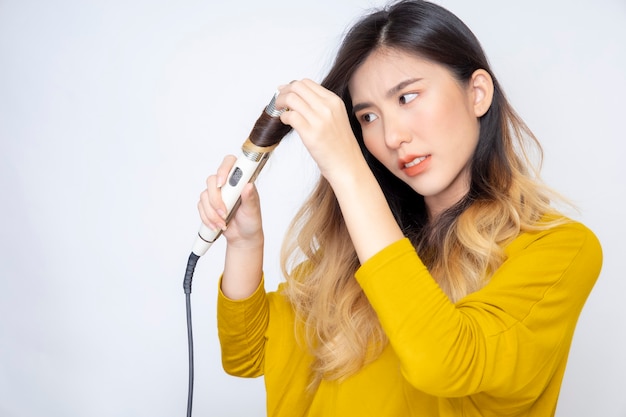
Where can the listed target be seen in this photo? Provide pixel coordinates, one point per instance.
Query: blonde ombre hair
(462, 247)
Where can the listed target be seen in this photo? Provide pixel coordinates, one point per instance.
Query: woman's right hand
(245, 227)
(243, 266)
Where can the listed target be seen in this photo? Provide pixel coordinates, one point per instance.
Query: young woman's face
(419, 122)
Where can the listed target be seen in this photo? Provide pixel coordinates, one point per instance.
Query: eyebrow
(392, 92)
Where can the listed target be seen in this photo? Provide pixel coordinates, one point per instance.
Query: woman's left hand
(319, 117)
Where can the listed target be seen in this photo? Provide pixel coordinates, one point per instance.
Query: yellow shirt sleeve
(510, 337)
(241, 330)
(253, 345)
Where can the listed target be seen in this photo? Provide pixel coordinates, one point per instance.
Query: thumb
(249, 198)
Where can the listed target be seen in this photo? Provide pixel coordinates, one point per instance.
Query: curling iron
(267, 132)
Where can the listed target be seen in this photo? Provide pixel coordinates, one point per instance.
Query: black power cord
(191, 266)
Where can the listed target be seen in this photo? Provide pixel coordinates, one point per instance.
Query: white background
(113, 113)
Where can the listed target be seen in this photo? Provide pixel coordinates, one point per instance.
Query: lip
(414, 168)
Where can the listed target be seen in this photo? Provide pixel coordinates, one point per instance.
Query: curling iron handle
(243, 171)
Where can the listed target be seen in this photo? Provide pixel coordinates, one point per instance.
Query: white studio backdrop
(113, 113)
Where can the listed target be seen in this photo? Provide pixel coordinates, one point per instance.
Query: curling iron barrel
(267, 132)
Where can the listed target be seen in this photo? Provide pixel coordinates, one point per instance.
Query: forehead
(385, 67)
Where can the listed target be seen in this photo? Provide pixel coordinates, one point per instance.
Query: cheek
(373, 143)
(376, 147)
(461, 128)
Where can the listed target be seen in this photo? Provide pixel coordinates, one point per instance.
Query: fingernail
(220, 182)
(221, 213)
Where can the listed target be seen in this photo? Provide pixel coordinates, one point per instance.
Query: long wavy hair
(462, 247)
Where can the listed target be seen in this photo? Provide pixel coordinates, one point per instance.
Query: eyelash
(402, 101)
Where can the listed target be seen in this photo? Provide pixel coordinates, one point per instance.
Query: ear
(481, 84)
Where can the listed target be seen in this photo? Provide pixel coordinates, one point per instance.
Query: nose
(396, 132)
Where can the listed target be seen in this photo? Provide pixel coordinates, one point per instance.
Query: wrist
(243, 268)
(366, 212)
(247, 244)
(351, 178)
(350, 173)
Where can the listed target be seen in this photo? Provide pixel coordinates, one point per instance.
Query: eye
(368, 117)
(407, 98)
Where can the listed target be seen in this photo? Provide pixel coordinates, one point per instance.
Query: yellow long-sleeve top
(500, 351)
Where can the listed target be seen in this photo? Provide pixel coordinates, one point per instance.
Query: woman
(427, 274)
